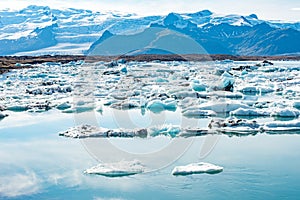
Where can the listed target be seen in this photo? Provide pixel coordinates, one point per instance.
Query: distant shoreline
(12, 62)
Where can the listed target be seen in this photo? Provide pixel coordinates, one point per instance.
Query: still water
(35, 163)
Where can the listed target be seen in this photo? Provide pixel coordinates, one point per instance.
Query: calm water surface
(35, 163)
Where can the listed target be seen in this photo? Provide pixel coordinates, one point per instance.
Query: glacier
(40, 30)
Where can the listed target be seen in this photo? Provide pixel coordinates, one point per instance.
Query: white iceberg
(250, 112)
(123, 168)
(222, 107)
(235, 126)
(226, 94)
(285, 112)
(88, 131)
(293, 125)
(197, 168)
(198, 113)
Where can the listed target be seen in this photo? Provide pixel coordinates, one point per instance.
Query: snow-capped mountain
(39, 30)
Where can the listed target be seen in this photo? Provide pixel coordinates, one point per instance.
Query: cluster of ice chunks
(229, 126)
(129, 168)
(198, 89)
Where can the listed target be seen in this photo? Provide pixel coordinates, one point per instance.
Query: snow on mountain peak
(71, 27)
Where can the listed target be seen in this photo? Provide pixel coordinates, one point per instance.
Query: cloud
(19, 184)
(295, 9)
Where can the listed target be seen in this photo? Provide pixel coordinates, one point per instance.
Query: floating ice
(195, 112)
(233, 125)
(85, 131)
(250, 112)
(222, 107)
(158, 105)
(226, 94)
(17, 108)
(123, 168)
(166, 129)
(3, 115)
(296, 104)
(285, 112)
(249, 89)
(126, 105)
(64, 106)
(293, 125)
(197, 168)
(198, 86)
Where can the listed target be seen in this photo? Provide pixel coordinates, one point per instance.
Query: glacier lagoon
(259, 161)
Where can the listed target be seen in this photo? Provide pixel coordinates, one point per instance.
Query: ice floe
(234, 125)
(2, 115)
(119, 169)
(196, 112)
(293, 125)
(85, 131)
(158, 105)
(250, 112)
(222, 107)
(285, 112)
(194, 89)
(197, 168)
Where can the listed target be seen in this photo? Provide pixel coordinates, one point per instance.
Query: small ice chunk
(249, 112)
(166, 129)
(88, 131)
(123, 168)
(3, 115)
(125, 105)
(296, 104)
(197, 168)
(222, 107)
(226, 94)
(282, 126)
(198, 113)
(233, 125)
(17, 108)
(198, 86)
(249, 89)
(64, 106)
(265, 90)
(285, 112)
(158, 105)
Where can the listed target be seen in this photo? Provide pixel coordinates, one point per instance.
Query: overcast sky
(288, 10)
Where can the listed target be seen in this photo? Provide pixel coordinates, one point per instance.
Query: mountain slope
(39, 30)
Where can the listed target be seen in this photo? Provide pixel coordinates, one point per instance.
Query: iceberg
(296, 104)
(122, 168)
(197, 168)
(158, 105)
(170, 130)
(87, 131)
(222, 107)
(233, 125)
(250, 112)
(63, 106)
(3, 115)
(285, 112)
(198, 113)
(198, 86)
(226, 94)
(293, 125)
